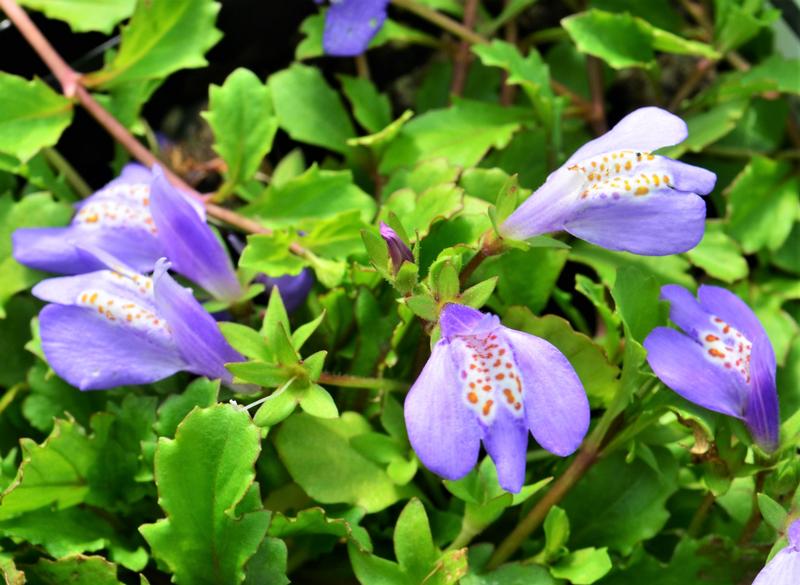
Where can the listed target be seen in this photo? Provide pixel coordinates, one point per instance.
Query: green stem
(10, 394)
(442, 21)
(60, 164)
(700, 515)
(347, 381)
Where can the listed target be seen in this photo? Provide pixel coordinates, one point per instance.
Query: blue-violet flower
(115, 326)
(486, 382)
(138, 218)
(615, 193)
(351, 24)
(784, 568)
(724, 362)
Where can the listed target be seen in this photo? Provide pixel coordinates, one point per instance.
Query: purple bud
(398, 250)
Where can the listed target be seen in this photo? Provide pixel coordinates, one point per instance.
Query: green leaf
(622, 40)
(556, 532)
(51, 397)
(271, 254)
(314, 195)
(462, 134)
(268, 565)
(51, 474)
(372, 570)
(33, 116)
(245, 340)
(202, 393)
(708, 127)
(241, 116)
(77, 570)
(278, 405)
(316, 401)
(599, 378)
(583, 567)
(719, 255)
(619, 504)
(772, 512)
(319, 458)
(309, 110)
(763, 204)
(203, 539)
(15, 331)
(512, 574)
(372, 109)
(162, 37)
(35, 210)
(413, 543)
(477, 295)
(737, 22)
(418, 212)
(636, 295)
(85, 15)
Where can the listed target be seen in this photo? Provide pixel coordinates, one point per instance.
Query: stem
(700, 515)
(8, 397)
(72, 176)
(442, 21)
(462, 57)
(685, 90)
(579, 466)
(348, 381)
(508, 91)
(362, 66)
(598, 114)
(754, 521)
(491, 246)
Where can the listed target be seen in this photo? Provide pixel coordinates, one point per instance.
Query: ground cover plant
(399, 292)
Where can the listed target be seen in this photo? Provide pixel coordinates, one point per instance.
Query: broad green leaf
(161, 37)
(599, 378)
(636, 295)
(271, 254)
(556, 532)
(51, 474)
(719, 255)
(268, 565)
(736, 22)
(319, 458)
(204, 538)
(309, 110)
(76, 570)
(622, 40)
(413, 543)
(512, 574)
(418, 212)
(33, 116)
(314, 521)
(314, 195)
(583, 567)
(241, 116)
(462, 134)
(373, 570)
(772, 512)
(763, 204)
(618, 504)
(372, 109)
(85, 15)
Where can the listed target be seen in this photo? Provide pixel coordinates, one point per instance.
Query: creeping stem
(348, 381)
(72, 87)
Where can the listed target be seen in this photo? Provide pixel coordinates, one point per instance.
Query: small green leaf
(719, 255)
(372, 109)
(556, 532)
(245, 340)
(773, 513)
(302, 333)
(445, 282)
(162, 37)
(413, 543)
(76, 570)
(583, 567)
(201, 392)
(33, 116)
(424, 306)
(316, 401)
(477, 295)
(85, 15)
(267, 375)
(203, 539)
(241, 116)
(278, 405)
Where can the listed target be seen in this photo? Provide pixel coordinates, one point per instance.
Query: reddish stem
(462, 57)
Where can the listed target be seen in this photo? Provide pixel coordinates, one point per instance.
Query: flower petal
(645, 129)
(196, 334)
(294, 289)
(350, 26)
(443, 432)
(506, 441)
(546, 209)
(556, 407)
(685, 311)
(783, 569)
(189, 243)
(729, 307)
(93, 353)
(762, 413)
(656, 225)
(463, 320)
(679, 362)
(794, 534)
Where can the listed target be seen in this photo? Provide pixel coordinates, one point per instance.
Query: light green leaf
(76, 570)
(372, 109)
(583, 567)
(316, 401)
(719, 255)
(162, 37)
(309, 110)
(85, 15)
(319, 458)
(204, 538)
(241, 116)
(413, 543)
(708, 127)
(33, 116)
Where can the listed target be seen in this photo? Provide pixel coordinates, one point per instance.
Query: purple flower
(485, 382)
(398, 250)
(614, 193)
(138, 218)
(351, 24)
(784, 568)
(114, 327)
(293, 288)
(724, 362)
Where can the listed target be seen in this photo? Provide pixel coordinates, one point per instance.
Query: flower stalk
(348, 381)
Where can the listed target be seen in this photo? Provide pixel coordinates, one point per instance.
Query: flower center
(727, 348)
(490, 377)
(619, 174)
(117, 206)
